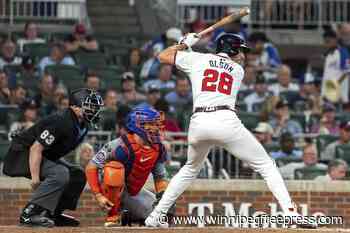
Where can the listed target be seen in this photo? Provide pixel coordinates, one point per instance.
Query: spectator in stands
(45, 98)
(150, 68)
(134, 61)
(310, 159)
(164, 80)
(259, 95)
(57, 56)
(18, 95)
(153, 95)
(336, 67)
(263, 133)
(344, 35)
(281, 122)
(288, 149)
(8, 54)
(268, 60)
(249, 78)
(182, 95)
(30, 36)
(63, 103)
(92, 81)
(171, 124)
(284, 81)
(4, 88)
(111, 100)
(336, 171)
(84, 154)
(129, 94)
(344, 139)
(80, 40)
(327, 124)
(29, 115)
(59, 92)
(309, 92)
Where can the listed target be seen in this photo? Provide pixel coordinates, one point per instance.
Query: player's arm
(168, 56)
(35, 158)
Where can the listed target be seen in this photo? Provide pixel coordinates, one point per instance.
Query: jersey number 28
(210, 82)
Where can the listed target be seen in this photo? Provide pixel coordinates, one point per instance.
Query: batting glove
(190, 39)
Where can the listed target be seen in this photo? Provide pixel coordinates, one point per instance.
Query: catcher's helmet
(231, 44)
(90, 101)
(147, 123)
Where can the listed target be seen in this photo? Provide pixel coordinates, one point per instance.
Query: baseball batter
(216, 79)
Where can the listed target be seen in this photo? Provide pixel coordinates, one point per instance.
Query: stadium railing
(316, 13)
(44, 10)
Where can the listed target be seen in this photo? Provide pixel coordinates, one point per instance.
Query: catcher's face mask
(154, 128)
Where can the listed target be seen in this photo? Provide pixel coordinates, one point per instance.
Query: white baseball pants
(223, 128)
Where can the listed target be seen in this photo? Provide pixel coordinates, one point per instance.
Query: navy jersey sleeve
(159, 171)
(112, 151)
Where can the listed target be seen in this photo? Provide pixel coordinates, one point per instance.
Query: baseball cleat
(113, 221)
(64, 220)
(157, 219)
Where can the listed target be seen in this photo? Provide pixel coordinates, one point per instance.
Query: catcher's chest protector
(142, 161)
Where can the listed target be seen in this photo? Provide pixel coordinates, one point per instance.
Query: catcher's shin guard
(113, 185)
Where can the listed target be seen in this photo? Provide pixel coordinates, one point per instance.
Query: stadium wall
(214, 197)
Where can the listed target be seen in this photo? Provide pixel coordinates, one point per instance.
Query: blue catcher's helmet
(231, 44)
(147, 123)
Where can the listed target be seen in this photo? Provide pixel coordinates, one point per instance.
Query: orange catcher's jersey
(215, 78)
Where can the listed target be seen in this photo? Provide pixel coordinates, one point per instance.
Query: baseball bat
(226, 20)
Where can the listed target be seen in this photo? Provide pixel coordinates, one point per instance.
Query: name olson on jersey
(221, 64)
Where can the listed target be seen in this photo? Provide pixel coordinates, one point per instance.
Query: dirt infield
(14, 229)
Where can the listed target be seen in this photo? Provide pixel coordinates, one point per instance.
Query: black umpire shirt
(59, 133)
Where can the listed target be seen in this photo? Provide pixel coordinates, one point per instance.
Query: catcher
(126, 163)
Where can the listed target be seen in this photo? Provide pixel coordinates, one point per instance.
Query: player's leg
(113, 186)
(245, 147)
(70, 196)
(180, 182)
(138, 206)
(46, 197)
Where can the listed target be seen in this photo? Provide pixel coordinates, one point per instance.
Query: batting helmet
(90, 101)
(147, 123)
(231, 44)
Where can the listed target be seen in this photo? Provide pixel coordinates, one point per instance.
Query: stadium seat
(70, 76)
(343, 152)
(90, 60)
(249, 119)
(37, 51)
(271, 147)
(110, 76)
(285, 160)
(8, 114)
(4, 146)
(241, 106)
(322, 141)
(309, 173)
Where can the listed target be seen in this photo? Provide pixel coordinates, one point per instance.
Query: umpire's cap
(231, 44)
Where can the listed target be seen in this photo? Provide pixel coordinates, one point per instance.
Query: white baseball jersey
(215, 78)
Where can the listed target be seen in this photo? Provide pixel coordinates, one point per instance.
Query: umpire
(36, 154)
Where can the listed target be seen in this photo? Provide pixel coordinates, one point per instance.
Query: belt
(213, 108)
